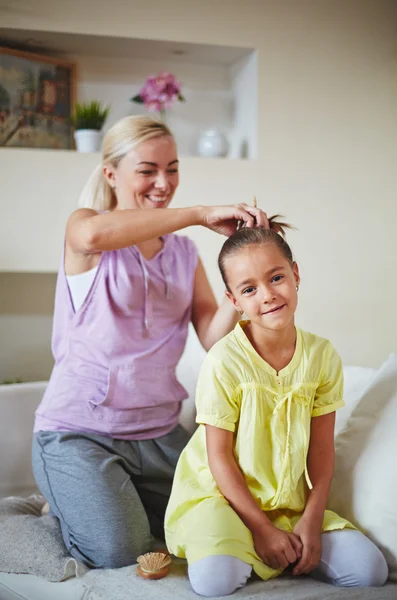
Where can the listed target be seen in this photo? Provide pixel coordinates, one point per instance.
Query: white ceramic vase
(212, 144)
(87, 140)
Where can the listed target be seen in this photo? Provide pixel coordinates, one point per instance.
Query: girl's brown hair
(250, 236)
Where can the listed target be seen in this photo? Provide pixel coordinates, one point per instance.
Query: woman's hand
(224, 219)
(276, 548)
(310, 536)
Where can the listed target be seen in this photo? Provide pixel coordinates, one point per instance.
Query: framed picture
(37, 95)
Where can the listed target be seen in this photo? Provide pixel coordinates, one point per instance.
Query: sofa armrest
(18, 403)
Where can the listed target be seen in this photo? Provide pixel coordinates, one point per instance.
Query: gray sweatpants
(109, 495)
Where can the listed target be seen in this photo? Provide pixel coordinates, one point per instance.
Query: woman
(107, 437)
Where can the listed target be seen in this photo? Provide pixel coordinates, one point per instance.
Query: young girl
(251, 487)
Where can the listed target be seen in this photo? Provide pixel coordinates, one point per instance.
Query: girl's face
(263, 285)
(147, 176)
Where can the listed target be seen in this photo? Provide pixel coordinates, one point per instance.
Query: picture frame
(37, 97)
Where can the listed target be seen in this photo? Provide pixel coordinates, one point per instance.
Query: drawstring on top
(165, 266)
(286, 458)
(147, 316)
(167, 272)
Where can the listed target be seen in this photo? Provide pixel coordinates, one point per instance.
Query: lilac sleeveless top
(115, 358)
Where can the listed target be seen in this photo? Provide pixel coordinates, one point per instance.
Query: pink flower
(159, 92)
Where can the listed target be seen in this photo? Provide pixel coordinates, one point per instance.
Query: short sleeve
(329, 394)
(216, 400)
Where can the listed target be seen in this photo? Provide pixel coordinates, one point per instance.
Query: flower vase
(212, 144)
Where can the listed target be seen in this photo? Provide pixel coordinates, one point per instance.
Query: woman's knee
(221, 575)
(103, 521)
(111, 552)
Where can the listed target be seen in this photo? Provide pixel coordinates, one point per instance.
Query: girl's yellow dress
(270, 415)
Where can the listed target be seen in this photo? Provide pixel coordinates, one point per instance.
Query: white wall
(244, 137)
(326, 145)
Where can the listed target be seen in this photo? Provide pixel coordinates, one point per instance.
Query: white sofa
(17, 405)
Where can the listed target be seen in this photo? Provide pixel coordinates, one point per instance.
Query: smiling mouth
(157, 200)
(274, 311)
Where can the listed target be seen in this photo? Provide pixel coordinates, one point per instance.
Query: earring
(241, 312)
(297, 288)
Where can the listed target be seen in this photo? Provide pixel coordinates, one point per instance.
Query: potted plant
(88, 120)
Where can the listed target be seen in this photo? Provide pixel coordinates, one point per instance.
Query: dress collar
(245, 343)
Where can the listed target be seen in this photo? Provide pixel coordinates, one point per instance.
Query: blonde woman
(107, 438)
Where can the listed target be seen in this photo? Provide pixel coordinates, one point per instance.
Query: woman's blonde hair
(125, 135)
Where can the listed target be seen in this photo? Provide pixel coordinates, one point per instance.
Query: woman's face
(147, 176)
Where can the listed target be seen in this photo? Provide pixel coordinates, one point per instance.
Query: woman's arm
(320, 464)
(276, 548)
(88, 232)
(210, 321)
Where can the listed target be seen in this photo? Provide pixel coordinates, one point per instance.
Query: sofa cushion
(30, 587)
(187, 372)
(356, 380)
(123, 584)
(364, 488)
(18, 403)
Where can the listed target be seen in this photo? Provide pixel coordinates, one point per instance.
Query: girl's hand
(310, 536)
(224, 219)
(277, 548)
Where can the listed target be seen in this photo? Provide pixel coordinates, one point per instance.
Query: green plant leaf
(137, 99)
(90, 115)
(181, 98)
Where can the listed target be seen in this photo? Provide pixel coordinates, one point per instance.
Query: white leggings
(348, 559)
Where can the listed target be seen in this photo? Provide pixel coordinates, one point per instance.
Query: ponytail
(279, 226)
(97, 193)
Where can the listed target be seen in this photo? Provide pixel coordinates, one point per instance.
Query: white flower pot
(87, 140)
(212, 144)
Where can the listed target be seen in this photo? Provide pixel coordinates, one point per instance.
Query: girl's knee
(374, 572)
(350, 559)
(371, 568)
(210, 588)
(215, 576)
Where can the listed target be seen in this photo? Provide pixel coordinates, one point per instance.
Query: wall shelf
(219, 82)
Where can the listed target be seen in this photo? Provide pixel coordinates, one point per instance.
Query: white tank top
(80, 285)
